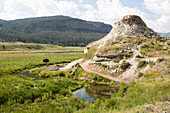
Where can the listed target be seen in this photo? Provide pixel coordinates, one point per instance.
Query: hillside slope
(61, 30)
(127, 50)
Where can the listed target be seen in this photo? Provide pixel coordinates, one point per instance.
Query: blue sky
(155, 13)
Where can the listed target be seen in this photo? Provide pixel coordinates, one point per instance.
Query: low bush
(145, 46)
(98, 78)
(91, 52)
(160, 60)
(103, 65)
(138, 56)
(168, 66)
(124, 65)
(151, 63)
(140, 74)
(37, 100)
(122, 55)
(142, 63)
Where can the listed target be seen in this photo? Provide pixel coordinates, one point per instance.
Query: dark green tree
(3, 46)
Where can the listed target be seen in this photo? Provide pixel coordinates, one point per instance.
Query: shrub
(103, 65)
(125, 65)
(160, 60)
(42, 75)
(64, 91)
(127, 55)
(151, 74)
(28, 101)
(67, 75)
(91, 52)
(151, 63)
(47, 75)
(59, 73)
(138, 56)
(37, 100)
(145, 46)
(78, 71)
(168, 66)
(140, 74)
(110, 103)
(142, 63)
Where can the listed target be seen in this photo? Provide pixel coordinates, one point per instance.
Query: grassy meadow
(10, 64)
(19, 94)
(19, 58)
(28, 48)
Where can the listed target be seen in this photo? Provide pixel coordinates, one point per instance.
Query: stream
(43, 54)
(82, 94)
(28, 74)
(90, 93)
(94, 91)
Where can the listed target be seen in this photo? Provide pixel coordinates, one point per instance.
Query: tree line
(59, 30)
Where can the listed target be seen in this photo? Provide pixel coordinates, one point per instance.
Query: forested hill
(60, 30)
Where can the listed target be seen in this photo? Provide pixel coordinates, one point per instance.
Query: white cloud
(111, 11)
(161, 8)
(14, 9)
(108, 11)
(81, 1)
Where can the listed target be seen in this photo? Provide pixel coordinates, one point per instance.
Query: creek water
(94, 91)
(90, 93)
(28, 74)
(82, 94)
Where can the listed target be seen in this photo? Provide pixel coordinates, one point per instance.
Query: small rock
(114, 71)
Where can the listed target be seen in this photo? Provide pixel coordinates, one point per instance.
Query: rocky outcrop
(117, 55)
(123, 44)
(131, 28)
(132, 25)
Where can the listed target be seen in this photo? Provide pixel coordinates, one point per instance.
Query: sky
(156, 13)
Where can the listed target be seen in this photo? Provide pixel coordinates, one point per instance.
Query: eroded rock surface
(129, 41)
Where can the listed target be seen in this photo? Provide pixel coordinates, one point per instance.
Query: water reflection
(94, 91)
(82, 94)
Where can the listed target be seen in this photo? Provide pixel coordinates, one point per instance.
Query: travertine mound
(126, 35)
(128, 43)
(132, 25)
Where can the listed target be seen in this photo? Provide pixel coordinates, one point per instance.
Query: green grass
(148, 91)
(10, 64)
(61, 105)
(154, 50)
(97, 78)
(19, 90)
(20, 94)
(142, 63)
(124, 65)
(91, 52)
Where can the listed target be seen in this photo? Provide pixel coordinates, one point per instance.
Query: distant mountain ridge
(165, 34)
(61, 30)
